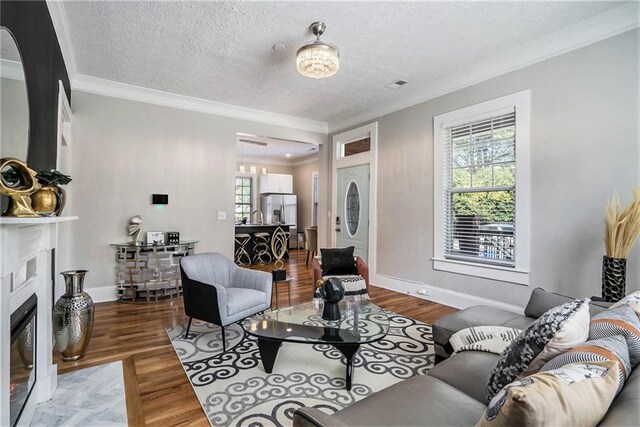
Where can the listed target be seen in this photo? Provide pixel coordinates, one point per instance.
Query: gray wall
(303, 188)
(585, 144)
(123, 151)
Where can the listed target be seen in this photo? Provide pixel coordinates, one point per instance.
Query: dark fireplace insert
(22, 359)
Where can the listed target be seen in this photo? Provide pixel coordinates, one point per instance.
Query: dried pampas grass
(621, 226)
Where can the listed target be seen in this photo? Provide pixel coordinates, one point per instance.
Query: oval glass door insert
(352, 209)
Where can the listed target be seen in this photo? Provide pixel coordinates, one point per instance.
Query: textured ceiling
(222, 51)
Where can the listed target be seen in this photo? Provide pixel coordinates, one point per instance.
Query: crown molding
(11, 70)
(587, 32)
(84, 83)
(61, 26)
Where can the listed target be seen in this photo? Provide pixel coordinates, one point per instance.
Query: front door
(352, 216)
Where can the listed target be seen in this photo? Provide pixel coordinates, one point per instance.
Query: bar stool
(241, 256)
(261, 248)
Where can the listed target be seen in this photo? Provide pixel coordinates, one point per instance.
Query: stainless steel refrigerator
(281, 209)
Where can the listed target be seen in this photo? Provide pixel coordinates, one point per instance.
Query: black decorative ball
(332, 291)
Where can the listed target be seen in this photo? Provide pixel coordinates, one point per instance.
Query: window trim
(518, 274)
(251, 178)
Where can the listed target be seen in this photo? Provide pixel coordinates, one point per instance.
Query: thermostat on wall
(159, 199)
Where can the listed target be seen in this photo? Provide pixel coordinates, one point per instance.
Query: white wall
(123, 151)
(303, 188)
(585, 144)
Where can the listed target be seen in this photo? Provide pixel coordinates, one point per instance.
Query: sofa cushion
(541, 301)
(418, 401)
(620, 320)
(479, 315)
(624, 409)
(577, 394)
(523, 350)
(467, 371)
(611, 348)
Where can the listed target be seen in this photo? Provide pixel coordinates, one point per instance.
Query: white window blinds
(480, 185)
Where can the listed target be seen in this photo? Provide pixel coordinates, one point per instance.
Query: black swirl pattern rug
(234, 389)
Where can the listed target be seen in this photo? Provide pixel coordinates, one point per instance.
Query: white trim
(11, 70)
(61, 27)
(102, 293)
(584, 33)
(521, 101)
(440, 295)
(315, 174)
(371, 158)
(84, 83)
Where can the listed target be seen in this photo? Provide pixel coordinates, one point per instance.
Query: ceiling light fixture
(317, 59)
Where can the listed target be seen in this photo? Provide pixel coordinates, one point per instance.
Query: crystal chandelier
(317, 59)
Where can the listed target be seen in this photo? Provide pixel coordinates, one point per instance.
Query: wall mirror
(14, 107)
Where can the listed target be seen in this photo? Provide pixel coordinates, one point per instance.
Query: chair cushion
(420, 400)
(523, 350)
(241, 299)
(467, 371)
(338, 261)
(479, 315)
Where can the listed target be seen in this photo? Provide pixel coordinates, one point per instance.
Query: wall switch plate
(222, 216)
(423, 291)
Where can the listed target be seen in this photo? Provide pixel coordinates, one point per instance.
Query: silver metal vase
(73, 317)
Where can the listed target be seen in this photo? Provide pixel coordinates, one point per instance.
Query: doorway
(352, 215)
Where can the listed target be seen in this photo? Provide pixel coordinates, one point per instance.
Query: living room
(497, 135)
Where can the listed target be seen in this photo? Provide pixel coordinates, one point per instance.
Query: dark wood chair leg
(186, 335)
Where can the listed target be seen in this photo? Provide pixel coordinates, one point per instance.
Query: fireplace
(22, 359)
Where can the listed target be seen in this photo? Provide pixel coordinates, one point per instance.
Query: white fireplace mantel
(25, 269)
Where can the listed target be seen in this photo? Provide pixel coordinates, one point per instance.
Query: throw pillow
(611, 348)
(523, 350)
(621, 320)
(633, 300)
(574, 395)
(573, 332)
(338, 261)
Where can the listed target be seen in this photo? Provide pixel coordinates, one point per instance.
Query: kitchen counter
(256, 228)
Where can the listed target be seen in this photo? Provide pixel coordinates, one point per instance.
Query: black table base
(269, 350)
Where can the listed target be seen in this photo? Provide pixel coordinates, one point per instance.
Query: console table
(149, 273)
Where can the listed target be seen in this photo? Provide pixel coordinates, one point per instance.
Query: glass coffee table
(361, 322)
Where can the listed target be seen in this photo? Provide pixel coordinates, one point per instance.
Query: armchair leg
(308, 253)
(186, 335)
(224, 341)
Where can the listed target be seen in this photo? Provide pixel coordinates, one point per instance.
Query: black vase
(614, 278)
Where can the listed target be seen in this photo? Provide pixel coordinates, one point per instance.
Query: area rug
(86, 397)
(234, 389)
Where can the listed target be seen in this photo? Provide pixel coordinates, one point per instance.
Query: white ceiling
(275, 149)
(222, 51)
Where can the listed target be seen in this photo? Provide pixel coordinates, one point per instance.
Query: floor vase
(614, 278)
(73, 317)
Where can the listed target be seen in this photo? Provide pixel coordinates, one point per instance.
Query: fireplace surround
(26, 269)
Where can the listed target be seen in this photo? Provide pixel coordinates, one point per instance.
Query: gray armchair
(218, 291)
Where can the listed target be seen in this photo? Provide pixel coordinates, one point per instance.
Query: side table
(288, 282)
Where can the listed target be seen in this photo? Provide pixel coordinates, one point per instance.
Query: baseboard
(102, 293)
(442, 296)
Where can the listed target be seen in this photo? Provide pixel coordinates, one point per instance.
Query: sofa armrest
(311, 417)
(363, 270)
(317, 272)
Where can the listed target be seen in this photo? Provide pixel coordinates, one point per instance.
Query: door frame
(339, 162)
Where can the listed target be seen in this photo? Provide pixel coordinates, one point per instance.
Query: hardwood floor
(158, 391)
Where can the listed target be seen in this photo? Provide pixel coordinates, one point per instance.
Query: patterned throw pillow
(524, 349)
(621, 320)
(354, 286)
(611, 348)
(633, 300)
(574, 395)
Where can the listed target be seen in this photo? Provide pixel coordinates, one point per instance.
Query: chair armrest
(203, 301)
(312, 417)
(363, 270)
(317, 272)
(253, 279)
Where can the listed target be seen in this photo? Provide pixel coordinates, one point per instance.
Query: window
(357, 147)
(244, 195)
(482, 189)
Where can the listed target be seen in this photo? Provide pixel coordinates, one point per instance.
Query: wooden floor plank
(157, 390)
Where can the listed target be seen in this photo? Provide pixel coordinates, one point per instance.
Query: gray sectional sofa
(454, 391)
